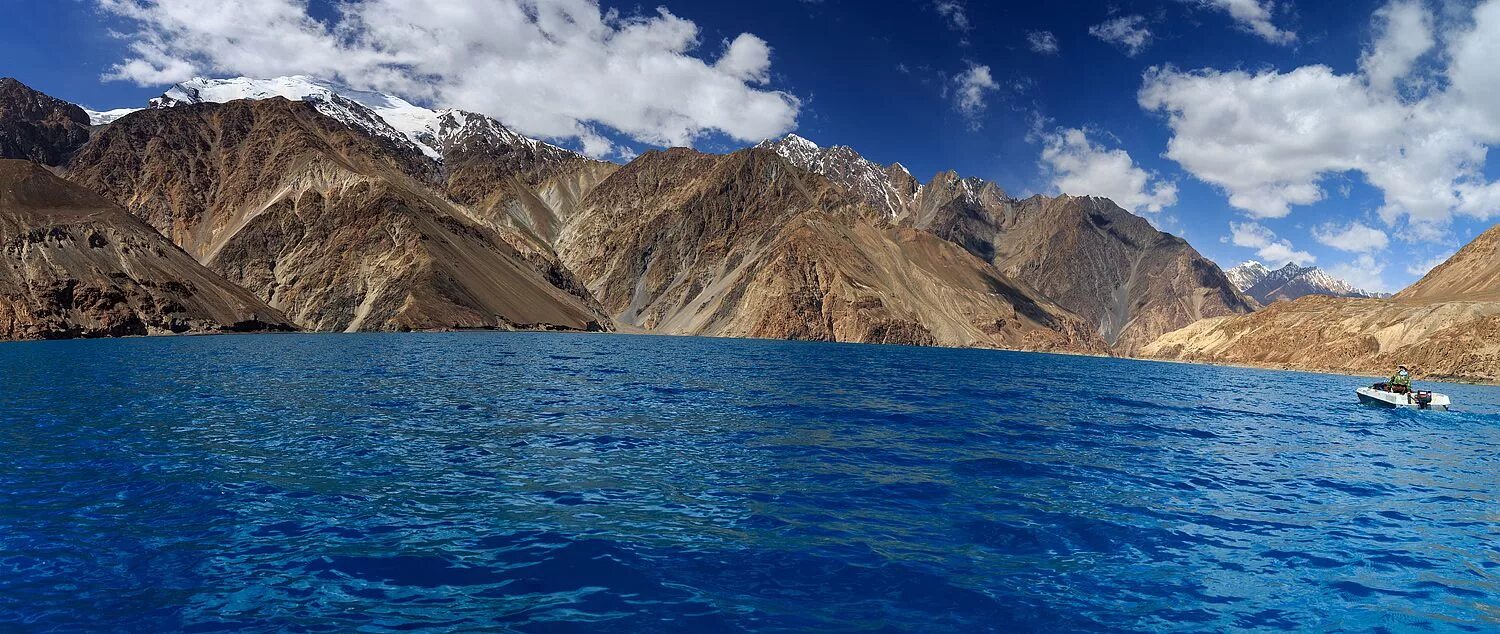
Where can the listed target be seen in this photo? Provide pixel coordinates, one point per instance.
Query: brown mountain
(77, 265)
(747, 244)
(339, 228)
(36, 127)
(1106, 264)
(1471, 274)
(510, 181)
(1131, 281)
(1446, 325)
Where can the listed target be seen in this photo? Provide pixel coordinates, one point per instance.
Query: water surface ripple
(544, 482)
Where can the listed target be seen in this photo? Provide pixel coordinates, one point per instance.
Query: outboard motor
(1423, 400)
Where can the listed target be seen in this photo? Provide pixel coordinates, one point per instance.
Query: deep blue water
(545, 482)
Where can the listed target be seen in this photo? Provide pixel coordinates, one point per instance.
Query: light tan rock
(341, 230)
(1445, 326)
(77, 265)
(748, 244)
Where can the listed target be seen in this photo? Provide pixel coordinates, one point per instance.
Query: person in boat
(1400, 382)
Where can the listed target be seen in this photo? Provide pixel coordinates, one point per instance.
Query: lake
(545, 482)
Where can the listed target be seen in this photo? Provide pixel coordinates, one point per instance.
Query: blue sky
(888, 77)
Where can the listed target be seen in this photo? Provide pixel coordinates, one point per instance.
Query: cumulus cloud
(1364, 273)
(1128, 32)
(551, 68)
(1404, 35)
(1252, 15)
(1355, 238)
(971, 87)
(1081, 167)
(1276, 252)
(1269, 138)
(1043, 42)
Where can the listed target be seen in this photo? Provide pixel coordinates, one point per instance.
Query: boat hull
(1381, 398)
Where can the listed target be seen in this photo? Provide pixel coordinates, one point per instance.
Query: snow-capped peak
(846, 167)
(1289, 282)
(380, 115)
(427, 130)
(1247, 275)
(798, 141)
(104, 117)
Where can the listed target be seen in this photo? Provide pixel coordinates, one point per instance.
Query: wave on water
(550, 481)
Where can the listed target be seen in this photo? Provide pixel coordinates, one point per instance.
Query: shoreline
(637, 332)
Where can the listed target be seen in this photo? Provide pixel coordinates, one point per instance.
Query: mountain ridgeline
(1130, 282)
(1289, 282)
(1447, 325)
(346, 210)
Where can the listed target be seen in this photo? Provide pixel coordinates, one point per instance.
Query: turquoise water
(545, 482)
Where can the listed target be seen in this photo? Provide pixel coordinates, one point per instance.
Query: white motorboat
(1380, 395)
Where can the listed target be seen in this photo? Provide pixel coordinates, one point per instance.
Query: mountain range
(352, 210)
(1266, 285)
(346, 210)
(1446, 325)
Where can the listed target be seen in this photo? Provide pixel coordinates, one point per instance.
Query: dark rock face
(36, 127)
(75, 265)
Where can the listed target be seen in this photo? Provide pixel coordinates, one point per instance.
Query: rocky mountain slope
(1471, 274)
(77, 265)
(521, 185)
(889, 188)
(36, 127)
(1289, 282)
(1446, 326)
(332, 223)
(1109, 266)
(353, 210)
(748, 245)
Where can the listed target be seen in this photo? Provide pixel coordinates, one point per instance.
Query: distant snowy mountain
(432, 132)
(108, 116)
(1289, 282)
(1248, 274)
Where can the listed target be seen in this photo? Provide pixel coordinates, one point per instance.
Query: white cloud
(1254, 16)
(1128, 32)
(1043, 42)
(970, 89)
(1404, 30)
(551, 68)
(1423, 267)
(1081, 167)
(1269, 138)
(1364, 273)
(953, 11)
(1274, 251)
(1355, 238)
